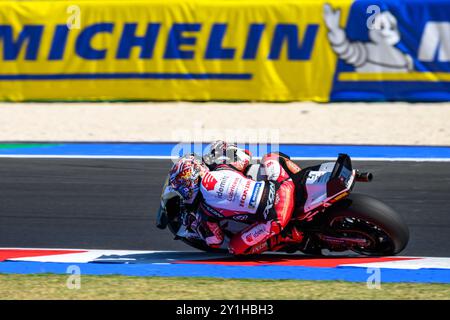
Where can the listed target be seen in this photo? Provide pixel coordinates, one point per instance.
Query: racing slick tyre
(362, 215)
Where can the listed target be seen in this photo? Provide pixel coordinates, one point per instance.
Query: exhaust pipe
(363, 176)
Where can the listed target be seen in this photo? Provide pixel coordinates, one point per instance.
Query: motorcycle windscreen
(316, 186)
(341, 177)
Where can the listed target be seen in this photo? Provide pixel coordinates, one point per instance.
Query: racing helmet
(184, 177)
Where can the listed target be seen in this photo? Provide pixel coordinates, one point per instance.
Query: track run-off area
(94, 205)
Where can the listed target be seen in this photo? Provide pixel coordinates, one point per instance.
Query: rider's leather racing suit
(226, 193)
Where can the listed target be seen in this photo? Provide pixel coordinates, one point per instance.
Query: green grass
(52, 286)
(26, 145)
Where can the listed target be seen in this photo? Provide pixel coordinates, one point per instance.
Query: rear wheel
(362, 217)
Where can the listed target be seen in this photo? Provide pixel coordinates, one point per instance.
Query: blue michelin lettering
(215, 49)
(254, 195)
(289, 33)
(83, 45)
(176, 39)
(59, 42)
(254, 38)
(180, 42)
(30, 34)
(129, 40)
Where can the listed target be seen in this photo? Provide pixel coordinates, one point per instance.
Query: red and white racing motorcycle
(330, 216)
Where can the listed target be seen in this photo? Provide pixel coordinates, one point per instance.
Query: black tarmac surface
(112, 204)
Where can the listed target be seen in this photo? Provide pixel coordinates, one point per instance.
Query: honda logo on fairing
(209, 182)
(245, 193)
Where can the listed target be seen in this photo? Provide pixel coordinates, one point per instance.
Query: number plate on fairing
(318, 183)
(316, 186)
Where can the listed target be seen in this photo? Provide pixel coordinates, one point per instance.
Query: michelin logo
(379, 55)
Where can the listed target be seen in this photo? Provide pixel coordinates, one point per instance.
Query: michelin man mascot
(379, 55)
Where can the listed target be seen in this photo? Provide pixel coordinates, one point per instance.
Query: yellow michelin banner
(166, 50)
(253, 50)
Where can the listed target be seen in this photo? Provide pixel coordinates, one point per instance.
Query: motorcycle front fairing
(169, 214)
(170, 209)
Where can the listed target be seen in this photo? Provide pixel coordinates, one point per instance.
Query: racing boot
(212, 234)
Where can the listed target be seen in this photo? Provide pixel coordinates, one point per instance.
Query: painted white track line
(419, 263)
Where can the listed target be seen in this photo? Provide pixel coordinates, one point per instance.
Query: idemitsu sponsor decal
(256, 234)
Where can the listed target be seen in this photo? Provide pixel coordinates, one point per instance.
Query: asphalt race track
(112, 203)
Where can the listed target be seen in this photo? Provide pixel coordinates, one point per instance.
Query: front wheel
(174, 224)
(362, 216)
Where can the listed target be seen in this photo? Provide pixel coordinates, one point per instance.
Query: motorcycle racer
(220, 190)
